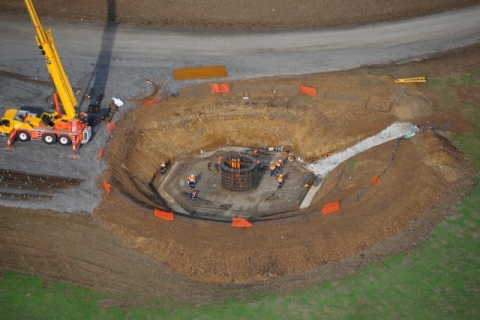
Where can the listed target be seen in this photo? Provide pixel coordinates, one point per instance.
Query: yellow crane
(65, 127)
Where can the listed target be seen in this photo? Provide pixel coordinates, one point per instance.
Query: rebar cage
(239, 172)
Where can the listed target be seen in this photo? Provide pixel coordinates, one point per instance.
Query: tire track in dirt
(79, 251)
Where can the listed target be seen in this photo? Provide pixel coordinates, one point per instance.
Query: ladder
(408, 80)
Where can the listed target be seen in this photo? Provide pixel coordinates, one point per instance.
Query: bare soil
(123, 247)
(234, 14)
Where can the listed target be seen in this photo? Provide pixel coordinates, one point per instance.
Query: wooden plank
(24, 196)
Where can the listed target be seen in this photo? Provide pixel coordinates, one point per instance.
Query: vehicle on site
(67, 127)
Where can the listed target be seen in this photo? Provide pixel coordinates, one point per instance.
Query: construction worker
(191, 181)
(255, 153)
(163, 168)
(280, 180)
(217, 165)
(290, 159)
(278, 167)
(259, 164)
(273, 169)
(192, 194)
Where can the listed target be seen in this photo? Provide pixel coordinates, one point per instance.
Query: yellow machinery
(408, 80)
(65, 127)
(54, 65)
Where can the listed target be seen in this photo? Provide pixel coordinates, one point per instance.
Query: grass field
(439, 279)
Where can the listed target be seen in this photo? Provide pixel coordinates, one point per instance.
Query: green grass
(439, 279)
(352, 163)
(437, 83)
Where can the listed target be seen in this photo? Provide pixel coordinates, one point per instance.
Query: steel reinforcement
(239, 172)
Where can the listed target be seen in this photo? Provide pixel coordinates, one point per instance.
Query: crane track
(24, 181)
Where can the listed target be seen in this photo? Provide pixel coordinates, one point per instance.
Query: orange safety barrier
(164, 215)
(375, 180)
(220, 87)
(331, 207)
(311, 91)
(100, 153)
(148, 103)
(107, 185)
(110, 127)
(241, 223)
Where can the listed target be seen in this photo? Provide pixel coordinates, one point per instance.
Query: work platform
(216, 201)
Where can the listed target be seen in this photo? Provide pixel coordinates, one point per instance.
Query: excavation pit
(246, 191)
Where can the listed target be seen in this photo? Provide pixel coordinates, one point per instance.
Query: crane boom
(54, 65)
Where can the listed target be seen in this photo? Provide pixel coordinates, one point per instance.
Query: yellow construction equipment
(408, 80)
(67, 126)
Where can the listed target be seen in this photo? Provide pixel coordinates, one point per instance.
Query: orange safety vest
(272, 166)
(279, 163)
(191, 178)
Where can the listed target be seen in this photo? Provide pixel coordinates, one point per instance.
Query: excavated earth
(424, 171)
(123, 247)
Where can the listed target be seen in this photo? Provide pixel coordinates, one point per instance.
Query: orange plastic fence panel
(375, 180)
(107, 185)
(111, 126)
(331, 207)
(148, 103)
(100, 153)
(311, 91)
(164, 215)
(241, 223)
(225, 87)
(220, 87)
